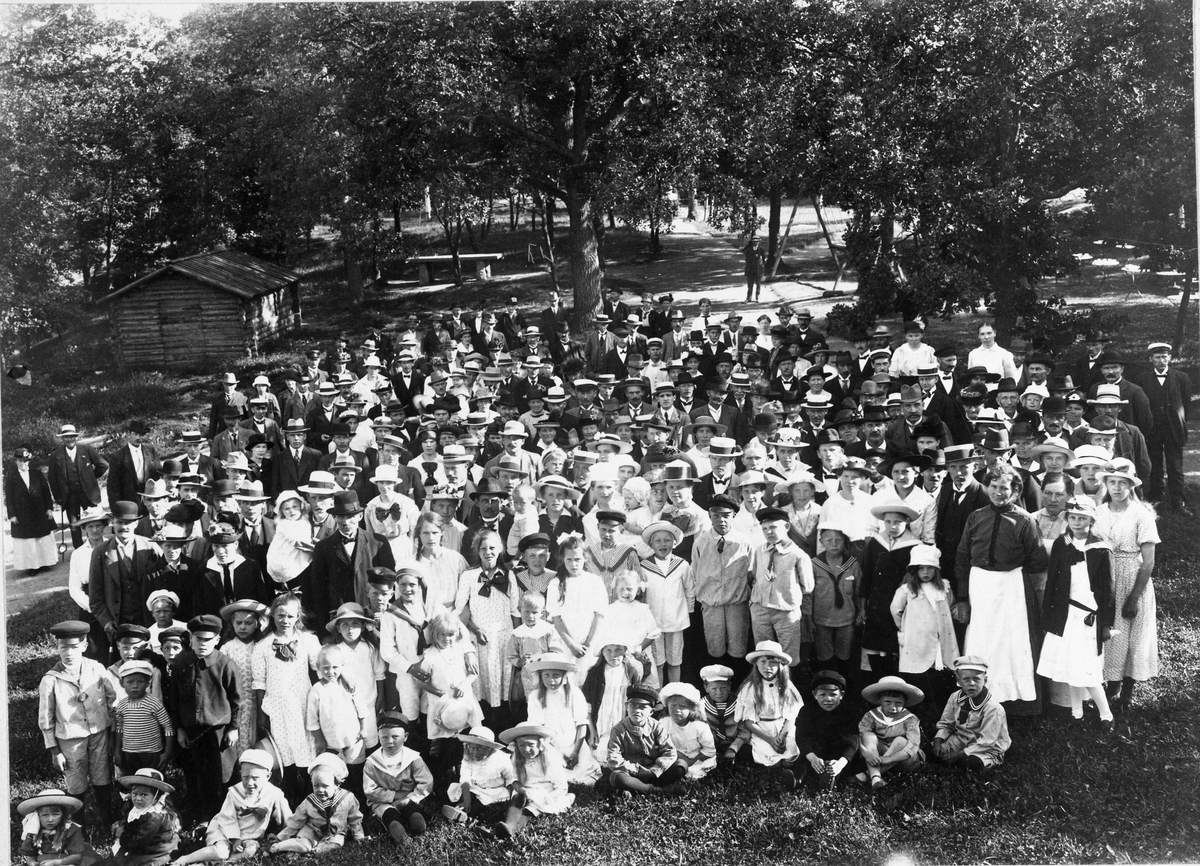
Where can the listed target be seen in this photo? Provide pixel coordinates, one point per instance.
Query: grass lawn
(1062, 796)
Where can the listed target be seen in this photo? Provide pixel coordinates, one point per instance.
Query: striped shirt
(142, 725)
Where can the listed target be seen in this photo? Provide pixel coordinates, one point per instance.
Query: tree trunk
(774, 217)
(395, 216)
(598, 228)
(548, 217)
(585, 258)
(354, 282)
(1006, 284)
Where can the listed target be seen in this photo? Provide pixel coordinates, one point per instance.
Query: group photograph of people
(586, 432)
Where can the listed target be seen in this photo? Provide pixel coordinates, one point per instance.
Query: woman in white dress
(487, 602)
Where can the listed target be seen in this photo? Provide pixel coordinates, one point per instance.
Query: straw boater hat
(552, 661)
(50, 797)
(148, 778)
(244, 605)
(557, 482)
(768, 649)
(480, 736)
(526, 730)
(452, 713)
(94, 514)
(662, 526)
(894, 505)
(912, 694)
(1091, 455)
(1054, 445)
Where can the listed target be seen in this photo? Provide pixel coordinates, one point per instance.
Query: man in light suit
(75, 471)
(133, 465)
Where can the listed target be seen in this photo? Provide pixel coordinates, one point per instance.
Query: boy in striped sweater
(143, 735)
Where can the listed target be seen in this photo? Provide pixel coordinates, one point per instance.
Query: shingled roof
(228, 270)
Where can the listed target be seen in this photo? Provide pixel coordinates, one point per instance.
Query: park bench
(482, 261)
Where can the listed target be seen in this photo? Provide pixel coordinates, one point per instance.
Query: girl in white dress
(559, 704)
(575, 602)
(541, 778)
(280, 666)
(766, 707)
(488, 603)
(443, 567)
(1077, 611)
(246, 618)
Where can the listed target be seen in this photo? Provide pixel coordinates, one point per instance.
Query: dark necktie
(721, 544)
(430, 467)
(228, 581)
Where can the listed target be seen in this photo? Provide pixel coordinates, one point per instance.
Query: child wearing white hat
(328, 817)
(689, 730)
(253, 808)
(921, 610)
(48, 833)
(973, 730)
(889, 736)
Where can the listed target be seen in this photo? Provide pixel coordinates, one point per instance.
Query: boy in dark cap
(75, 702)
(641, 755)
(826, 731)
(203, 701)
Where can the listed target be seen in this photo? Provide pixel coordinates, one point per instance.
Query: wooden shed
(209, 305)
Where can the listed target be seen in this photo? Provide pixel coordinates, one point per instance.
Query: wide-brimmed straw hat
(912, 694)
(480, 736)
(768, 649)
(526, 730)
(49, 797)
(149, 778)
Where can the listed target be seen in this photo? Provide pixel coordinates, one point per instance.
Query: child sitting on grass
(825, 732)
(559, 704)
(252, 809)
(149, 832)
(718, 710)
(766, 708)
(641, 755)
(48, 835)
(973, 730)
(889, 736)
(396, 780)
(327, 817)
(485, 780)
(541, 779)
(689, 730)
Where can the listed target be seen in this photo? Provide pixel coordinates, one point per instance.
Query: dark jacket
(1056, 602)
(334, 579)
(123, 481)
(91, 467)
(28, 504)
(105, 589)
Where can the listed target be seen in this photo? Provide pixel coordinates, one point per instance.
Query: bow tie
(499, 580)
(285, 652)
(385, 513)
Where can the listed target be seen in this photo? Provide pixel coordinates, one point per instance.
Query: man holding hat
(340, 562)
(1169, 393)
(74, 475)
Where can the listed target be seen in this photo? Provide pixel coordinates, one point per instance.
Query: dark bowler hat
(995, 439)
(488, 487)
(124, 510)
(345, 504)
(679, 470)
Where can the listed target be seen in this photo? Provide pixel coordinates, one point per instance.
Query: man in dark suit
(554, 315)
(407, 381)
(74, 476)
(293, 464)
(941, 404)
(229, 396)
(613, 307)
(717, 407)
(614, 362)
(120, 571)
(1170, 394)
(489, 496)
(1087, 372)
(193, 461)
(133, 466)
(322, 415)
(340, 562)
(961, 494)
(1137, 408)
(258, 530)
(722, 452)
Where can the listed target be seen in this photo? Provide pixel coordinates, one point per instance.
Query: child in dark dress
(48, 835)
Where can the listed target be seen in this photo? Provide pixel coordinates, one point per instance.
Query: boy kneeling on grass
(973, 730)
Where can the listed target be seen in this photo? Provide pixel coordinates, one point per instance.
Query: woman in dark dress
(30, 509)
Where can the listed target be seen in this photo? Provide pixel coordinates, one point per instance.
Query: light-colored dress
(670, 592)
(541, 637)
(695, 745)
(445, 567)
(240, 652)
(564, 711)
(493, 615)
(447, 668)
(1134, 652)
(774, 713)
(1073, 657)
(364, 669)
(546, 790)
(585, 595)
(285, 686)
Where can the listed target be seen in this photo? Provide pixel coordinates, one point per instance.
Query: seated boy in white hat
(253, 808)
(889, 736)
(973, 730)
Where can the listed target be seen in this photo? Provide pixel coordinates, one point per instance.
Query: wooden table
(482, 262)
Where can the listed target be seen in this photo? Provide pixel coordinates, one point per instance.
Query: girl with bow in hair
(280, 666)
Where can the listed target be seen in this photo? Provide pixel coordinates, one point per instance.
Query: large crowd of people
(481, 560)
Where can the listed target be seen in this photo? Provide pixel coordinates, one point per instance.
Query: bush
(846, 320)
